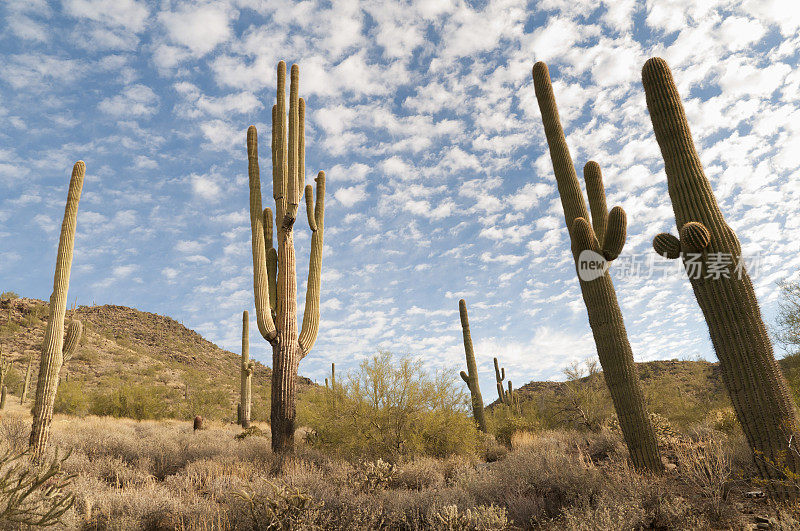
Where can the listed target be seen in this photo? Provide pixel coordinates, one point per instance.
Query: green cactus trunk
(471, 377)
(246, 373)
(750, 373)
(274, 274)
(27, 383)
(3, 396)
(605, 240)
(55, 347)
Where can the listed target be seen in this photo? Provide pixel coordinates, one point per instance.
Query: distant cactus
(3, 395)
(56, 346)
(27, 383)
(274, 277)
(750, 373)
(198, 423)
(5, 366)
(605, 237)
(471, 378)
(246, 373)
(500, 375)
(333, 375)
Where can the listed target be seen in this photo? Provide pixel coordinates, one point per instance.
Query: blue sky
(439, 182)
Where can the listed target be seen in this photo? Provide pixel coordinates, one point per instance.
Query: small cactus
(5, 366)
(198, 423)
(55, 346)
(500, 375)
(3, 397)
(27, 383)
(246, 373)
(471, 378)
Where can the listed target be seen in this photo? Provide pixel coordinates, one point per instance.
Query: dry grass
(162, 475)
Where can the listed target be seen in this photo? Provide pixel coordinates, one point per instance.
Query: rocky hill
(143, 353)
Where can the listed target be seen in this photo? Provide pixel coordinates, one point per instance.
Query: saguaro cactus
(499, 376)
(724, 291)
(274, 276)
(246, 372)
(55, 346)
(27, 383)
(5, 367)
(3, 395)
(605, 237)
(471, 378)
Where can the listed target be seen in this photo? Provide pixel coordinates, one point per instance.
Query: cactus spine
(55, 347)
(246, 373)
(274, 276)
(750, 373)
(471, 378)
(500, 375)
(27, 383)
(606, 237)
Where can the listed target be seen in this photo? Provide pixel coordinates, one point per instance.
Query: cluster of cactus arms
(750, 373)
(246, 373)
(27, 383)
(274, 275)
(606, 237)
(471, 376)
(55, 346)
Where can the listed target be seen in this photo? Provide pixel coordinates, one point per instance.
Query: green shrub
(8, 295)
(390, 409)
(131, 401)
(71, 398)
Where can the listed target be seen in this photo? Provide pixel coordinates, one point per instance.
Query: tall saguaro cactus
(55, 347)
(246, 373)
(724, 291)
(471, 377)
(274, 276)
(605, 237)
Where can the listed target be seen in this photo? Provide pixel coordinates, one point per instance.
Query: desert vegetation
(393, 445)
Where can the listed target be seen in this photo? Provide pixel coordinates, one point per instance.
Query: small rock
(754, 494)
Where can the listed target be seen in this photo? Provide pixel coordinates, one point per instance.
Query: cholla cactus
(500, 375)
(471, 378)
(754, 381)
(274, 277)
(246, 373)
(605, 238)
(55, 346)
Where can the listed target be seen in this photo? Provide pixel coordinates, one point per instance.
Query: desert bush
(388, 410)
(479, 518)
(72, 398)
(131, 401)
(15, 432)
(8, 295)
(705, 464)
(275, 505)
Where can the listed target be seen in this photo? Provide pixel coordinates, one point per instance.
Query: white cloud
(201, 28)
(136, 100)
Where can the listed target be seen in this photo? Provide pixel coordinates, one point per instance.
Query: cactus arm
(695, 237)
(301, 145)
(312, 223)
(597, 199)
(292, 197)
(615, 233)
(583, 236)
(667, 245)
(464, 377)
(272, 260)
(266, 325)
(52, 348)
(74, 332)
(310, 328)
